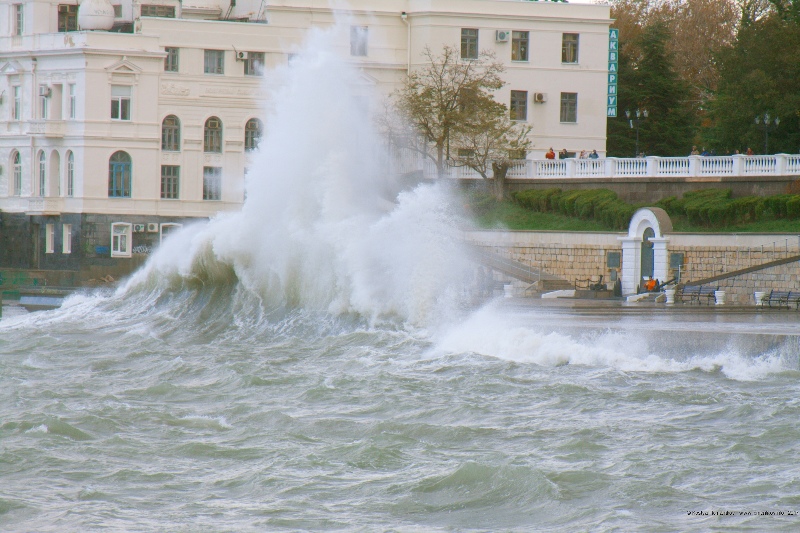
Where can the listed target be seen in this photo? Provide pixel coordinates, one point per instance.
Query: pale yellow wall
(88, 59)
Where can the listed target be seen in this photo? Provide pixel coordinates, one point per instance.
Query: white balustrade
(611, 167)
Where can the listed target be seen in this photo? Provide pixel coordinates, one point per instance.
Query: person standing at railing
(594, 155)
(583, 154)
(749, 151)
(694, 151)
(563, 154)
(550, 154)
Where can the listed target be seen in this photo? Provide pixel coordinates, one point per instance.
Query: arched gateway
(644, 249)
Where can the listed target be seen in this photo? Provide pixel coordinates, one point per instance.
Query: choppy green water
(202, 412)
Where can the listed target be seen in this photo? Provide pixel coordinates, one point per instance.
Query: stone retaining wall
(584, 255)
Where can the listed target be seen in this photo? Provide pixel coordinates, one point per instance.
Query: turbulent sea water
(312, 363)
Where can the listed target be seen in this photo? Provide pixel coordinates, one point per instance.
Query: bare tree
(491, 141)
(440, 100)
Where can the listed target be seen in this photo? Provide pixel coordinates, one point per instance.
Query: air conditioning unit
(502, 36)
(539, 98)
(138, 228)
(152, 227)
(241, 56)
(44, 90)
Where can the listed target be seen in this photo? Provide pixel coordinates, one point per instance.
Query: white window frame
(72, 100)
(573, 48)
(124, 94)
(172, 59)
(565, 107)
(467, 51)
(359, 41)
(44, 106)
(214, 62)
(212, 184)
(121, 239)
(16, 110)
(49, 238)
(518, 105)
(66, 238)
(42, 173)
(19, 19)
(254, 64)
(171, 227)
(70, 174)
(517, 46)
(16, 170)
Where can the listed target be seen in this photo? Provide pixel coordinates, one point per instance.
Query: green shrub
(535, 199)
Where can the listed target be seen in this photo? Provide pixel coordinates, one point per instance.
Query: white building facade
(111, 137)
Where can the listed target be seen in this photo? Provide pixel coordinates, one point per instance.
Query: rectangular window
(569, 48)
(149, 10)
(120, 102)
(254, 64)
(44, 101)
(117, 11)
(519, 45)
(19, 19)
(214, 62)
(212, 183)
(67, 17)
(170, 182)
(17, 111)
(72, 100)
(70, 174)
(49, 238)
(171, 61)
(676, 260)
(358, 40)
(569, 107)
(17, 170)
(469, 43)
(519, 105)
(66, 239)
(121, 239)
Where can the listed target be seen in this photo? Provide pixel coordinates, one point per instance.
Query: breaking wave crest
(323, 227)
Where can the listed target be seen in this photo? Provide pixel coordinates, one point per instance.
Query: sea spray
(323, 227)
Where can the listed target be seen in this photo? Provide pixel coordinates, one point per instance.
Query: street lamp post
(764, 122)
(636, 117)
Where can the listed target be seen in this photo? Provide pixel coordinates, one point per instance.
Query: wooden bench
(782, 299)
(699, 293)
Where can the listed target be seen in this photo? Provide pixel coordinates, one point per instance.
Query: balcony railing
(615, 167)
(48, 128)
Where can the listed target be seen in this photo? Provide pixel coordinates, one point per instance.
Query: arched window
(42, 174)
(212, 136)
(252, 134)
(16, 170)
(119, 175)
(171, 134)
(70, 174)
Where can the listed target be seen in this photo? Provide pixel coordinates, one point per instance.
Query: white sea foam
(493, 333)
(323, 227)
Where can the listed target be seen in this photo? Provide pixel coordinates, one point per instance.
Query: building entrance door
(648, 255)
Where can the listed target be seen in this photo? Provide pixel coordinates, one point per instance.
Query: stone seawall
(586, 255)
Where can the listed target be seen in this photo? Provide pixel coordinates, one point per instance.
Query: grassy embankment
(704, 211)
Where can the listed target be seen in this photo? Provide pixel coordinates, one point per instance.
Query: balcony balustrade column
(694, 165)
(652, 165)
(738, 164)
(611, 167)
(780, 164)
(569, 167)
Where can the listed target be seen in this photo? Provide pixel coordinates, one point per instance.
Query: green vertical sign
(613, 68)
